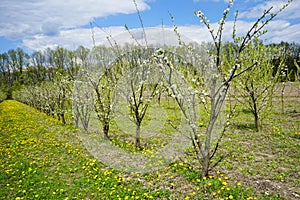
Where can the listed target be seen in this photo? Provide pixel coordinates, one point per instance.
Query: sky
(38, 24)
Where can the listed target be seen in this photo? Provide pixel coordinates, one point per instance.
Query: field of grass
(41, 158)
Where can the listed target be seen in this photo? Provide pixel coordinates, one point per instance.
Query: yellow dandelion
(187, 198)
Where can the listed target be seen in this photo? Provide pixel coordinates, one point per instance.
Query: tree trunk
(76, 120)
(137, 137)
(86, 126)
(282, 98)
(216, 107)
(53, 113)
(255, 112)
(159, 97)
(205, 166)
(105, 130)
(256, 120)
(62, 114)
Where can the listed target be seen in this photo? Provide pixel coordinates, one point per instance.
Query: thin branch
(141, 21)
(93, 34)
(132, 36)
(248, 68)
(109, 38)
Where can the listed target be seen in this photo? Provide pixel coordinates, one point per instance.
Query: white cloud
(291, 12)
(201, 34)
(278, 30)
(50, 23)
(31, 18)
(282, 30)
(71, 39)
(155, 36)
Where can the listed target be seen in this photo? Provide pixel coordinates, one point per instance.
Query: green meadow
(41, 158)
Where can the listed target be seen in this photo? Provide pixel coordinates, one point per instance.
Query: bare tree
(85, 94)
(218, 82)
(138, 87)
(83, 101)
(99, 72)
(63, 87)
(255, 88)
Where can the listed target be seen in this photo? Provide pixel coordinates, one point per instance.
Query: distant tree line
(18, 68)
(292, 60)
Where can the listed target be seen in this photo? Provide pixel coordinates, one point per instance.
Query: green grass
(44, 159)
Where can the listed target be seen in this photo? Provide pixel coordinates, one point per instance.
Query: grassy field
(44, 159)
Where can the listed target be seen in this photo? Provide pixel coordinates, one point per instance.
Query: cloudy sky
(38, 24)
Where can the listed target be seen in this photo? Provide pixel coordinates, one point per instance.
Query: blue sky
(38, 24)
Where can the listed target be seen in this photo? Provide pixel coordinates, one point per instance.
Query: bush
(3, 95)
